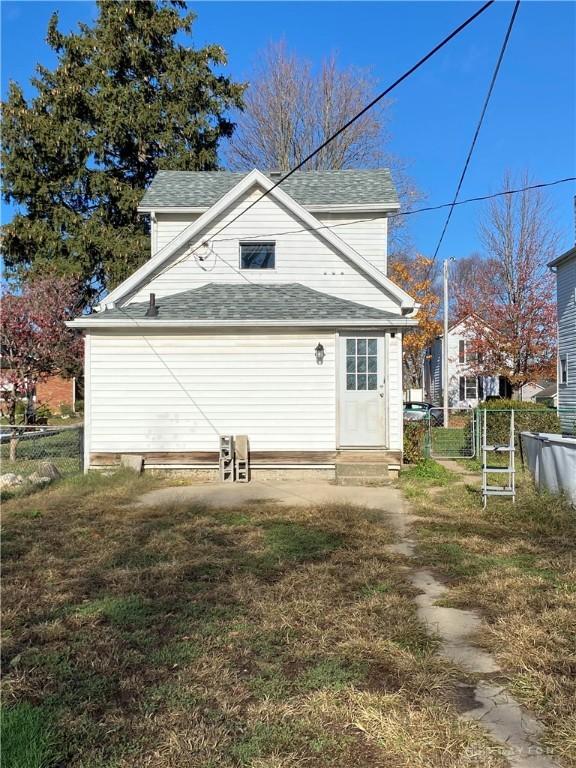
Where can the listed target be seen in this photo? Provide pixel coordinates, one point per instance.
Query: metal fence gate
(457, 438)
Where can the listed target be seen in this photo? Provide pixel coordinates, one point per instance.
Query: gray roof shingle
(201, 189)
(239, 301)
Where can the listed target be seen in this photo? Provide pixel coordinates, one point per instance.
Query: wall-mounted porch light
(319, 353)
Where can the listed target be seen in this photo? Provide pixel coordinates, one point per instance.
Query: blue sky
(530, 125)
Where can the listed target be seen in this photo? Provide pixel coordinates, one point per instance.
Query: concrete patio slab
(387, 499)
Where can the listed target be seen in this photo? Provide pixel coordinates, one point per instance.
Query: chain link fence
(461, 436)
(457, 438)
(25, 451)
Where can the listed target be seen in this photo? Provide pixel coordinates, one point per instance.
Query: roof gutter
(149, 324)
(564, 257)
(382, 208)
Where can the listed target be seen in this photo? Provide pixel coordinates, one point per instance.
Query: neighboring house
(54, 392)
(529, 391)
(283, 327)
(465, 388)
(565, 268)
(548, 395)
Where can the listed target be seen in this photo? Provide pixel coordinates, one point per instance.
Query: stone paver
(453, 625)
(509, 724)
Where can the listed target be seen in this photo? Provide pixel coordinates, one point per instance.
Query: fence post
(81, 446)
(427, 450)
(477, 436)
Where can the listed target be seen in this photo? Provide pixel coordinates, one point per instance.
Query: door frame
(341, 337)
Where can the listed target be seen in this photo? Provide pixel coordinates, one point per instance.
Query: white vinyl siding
(168, 225)
(395, 407)
(566, 295)
(179, 392)
(367, 233)
(301, 257)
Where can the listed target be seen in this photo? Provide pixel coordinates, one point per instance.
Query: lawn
(515, 564)
(261, 636)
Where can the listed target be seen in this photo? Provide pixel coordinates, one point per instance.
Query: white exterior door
(362, 391)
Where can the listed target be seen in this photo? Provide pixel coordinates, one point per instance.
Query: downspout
(153, 234)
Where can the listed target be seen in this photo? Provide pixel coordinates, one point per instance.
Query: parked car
(416, 411)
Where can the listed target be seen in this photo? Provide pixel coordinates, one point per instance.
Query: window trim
(256, 242)
(563, 369)
(465, 380)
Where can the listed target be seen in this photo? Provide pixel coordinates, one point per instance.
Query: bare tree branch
(290, 109)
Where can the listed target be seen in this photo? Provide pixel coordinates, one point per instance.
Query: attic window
(257, 255)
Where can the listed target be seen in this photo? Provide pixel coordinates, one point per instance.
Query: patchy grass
(515, 563)
(28, 737)
(429, 472)
(418, 479)
(259, 636)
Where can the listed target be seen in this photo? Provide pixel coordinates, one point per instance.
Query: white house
(465, 387)
(565, 268)
(531, 390)
(273, 318)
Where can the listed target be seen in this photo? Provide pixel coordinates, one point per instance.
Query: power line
(374, 101)
(479, 124)
(330, 227)
(395, 215)
(245, 277)
(426, 209)
(170, 371)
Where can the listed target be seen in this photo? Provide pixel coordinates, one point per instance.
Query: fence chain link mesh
(456, 439)
(24, 450)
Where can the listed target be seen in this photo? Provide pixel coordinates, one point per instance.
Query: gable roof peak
(247, 182)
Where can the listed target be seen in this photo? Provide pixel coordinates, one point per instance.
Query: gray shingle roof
(201, 189)
(549, 391)
(244, 301)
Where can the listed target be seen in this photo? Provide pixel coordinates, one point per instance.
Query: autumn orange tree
(416, 275)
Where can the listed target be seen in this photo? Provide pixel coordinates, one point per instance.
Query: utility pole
(445, 343)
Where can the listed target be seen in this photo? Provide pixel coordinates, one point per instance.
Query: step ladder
(508, 471)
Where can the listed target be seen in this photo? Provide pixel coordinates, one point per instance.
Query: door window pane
(361, 364)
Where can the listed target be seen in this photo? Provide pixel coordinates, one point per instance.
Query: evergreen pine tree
(125, 99)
